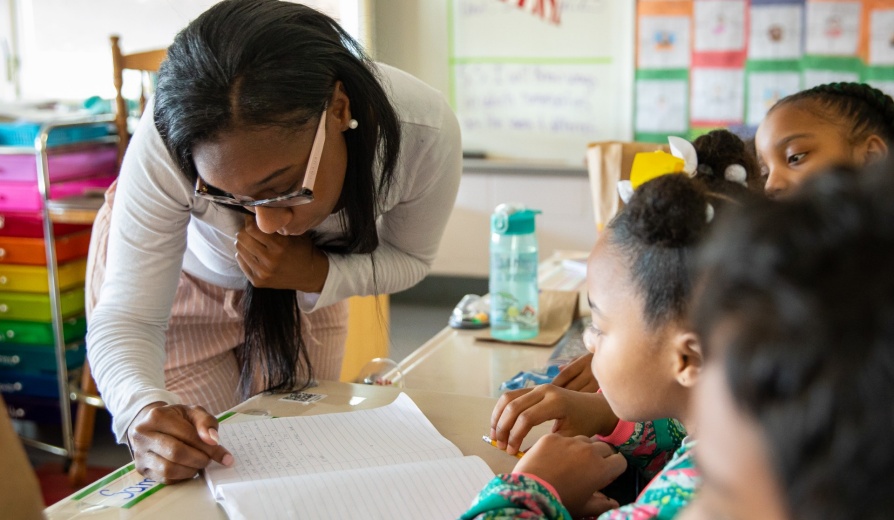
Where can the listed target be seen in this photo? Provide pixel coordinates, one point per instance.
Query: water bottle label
(510, 309)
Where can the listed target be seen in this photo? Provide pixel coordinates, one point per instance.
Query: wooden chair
(147, 63)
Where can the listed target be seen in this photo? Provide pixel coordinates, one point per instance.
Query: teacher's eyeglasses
(296, 198)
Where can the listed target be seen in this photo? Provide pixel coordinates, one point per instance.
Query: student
(224, 276)
(849, 124)
(649, 445)
(797, 324)
(645, 357)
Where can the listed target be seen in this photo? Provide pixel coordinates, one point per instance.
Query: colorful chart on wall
(703, 64)
(540, 79)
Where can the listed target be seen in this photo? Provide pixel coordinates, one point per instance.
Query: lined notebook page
(431, 490)
(291, 446)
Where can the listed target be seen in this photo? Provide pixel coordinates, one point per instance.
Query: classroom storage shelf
(49, 195)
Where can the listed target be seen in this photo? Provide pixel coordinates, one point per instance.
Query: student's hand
(575, 413)
(577, 467)
(280, 262)
(578, 375)
(171, 443)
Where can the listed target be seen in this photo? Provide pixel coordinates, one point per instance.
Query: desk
(454, 362)
(461, 419)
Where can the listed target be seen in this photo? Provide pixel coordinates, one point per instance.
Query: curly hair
(668, 216)
(801, 317)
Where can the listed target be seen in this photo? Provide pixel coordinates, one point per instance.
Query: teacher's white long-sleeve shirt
(159, 227)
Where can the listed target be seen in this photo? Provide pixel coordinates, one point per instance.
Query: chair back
(146, 62)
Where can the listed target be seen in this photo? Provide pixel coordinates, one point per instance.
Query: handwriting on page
(391, 434)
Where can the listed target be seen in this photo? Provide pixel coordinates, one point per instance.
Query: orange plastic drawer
(33, 278)
(32, 251)
(36, 307)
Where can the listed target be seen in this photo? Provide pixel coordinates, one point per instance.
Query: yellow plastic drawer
(36, 307)
(30, 278)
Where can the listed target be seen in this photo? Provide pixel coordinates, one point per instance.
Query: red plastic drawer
(96, 162)
(24, 196)
(31, 225)
(32, 251)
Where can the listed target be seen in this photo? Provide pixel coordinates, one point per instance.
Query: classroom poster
(745, 55)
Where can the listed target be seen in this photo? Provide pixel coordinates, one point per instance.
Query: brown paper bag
(557, 310)
(609, 162)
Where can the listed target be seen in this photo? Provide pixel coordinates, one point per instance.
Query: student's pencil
(519, 454)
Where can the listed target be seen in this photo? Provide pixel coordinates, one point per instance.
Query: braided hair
(867, 109)
(659, 229)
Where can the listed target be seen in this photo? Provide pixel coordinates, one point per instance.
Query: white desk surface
(461, 419)
(452, 378)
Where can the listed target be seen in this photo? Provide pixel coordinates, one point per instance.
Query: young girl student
(645, 357)
(797, 324)
(277, 172)
(649, 445)
(837, 124)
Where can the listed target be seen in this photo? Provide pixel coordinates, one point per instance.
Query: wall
(412, 35)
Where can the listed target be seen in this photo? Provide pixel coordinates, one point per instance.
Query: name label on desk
(124, 488)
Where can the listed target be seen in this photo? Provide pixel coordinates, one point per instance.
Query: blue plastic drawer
(37, 333)
(23, 134)
(36, 409)
(13, 382)
(39, 359)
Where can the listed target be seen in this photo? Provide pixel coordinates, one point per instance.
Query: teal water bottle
(513, 273)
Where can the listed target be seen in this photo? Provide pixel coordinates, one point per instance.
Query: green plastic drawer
(36, 333)
(39, 359)
(36, 307)
(30, 278)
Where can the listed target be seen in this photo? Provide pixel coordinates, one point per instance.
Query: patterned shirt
(522, 496)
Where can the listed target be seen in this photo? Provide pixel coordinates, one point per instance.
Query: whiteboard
(541, 85)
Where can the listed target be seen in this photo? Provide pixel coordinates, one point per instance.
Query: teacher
(277, 172)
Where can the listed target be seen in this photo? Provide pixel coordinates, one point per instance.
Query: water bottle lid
(513, 219)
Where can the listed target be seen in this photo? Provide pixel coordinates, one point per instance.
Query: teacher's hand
(280, 262)
(171, 443)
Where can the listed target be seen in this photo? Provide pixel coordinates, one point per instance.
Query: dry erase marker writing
(519, 454)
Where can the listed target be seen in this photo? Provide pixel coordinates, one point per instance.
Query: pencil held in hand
(519, 454)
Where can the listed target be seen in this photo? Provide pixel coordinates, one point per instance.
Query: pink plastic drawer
(96, 162)
(24, 196)
(30, 225)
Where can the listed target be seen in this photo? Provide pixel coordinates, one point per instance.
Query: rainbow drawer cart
(43, 263)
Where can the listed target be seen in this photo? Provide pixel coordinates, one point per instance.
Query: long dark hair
(275, 63)
(667, 217)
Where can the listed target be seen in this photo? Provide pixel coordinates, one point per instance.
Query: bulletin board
(539, 79)
(703, 64)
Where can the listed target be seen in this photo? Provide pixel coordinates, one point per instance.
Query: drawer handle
(3, 280)
(2, 221)
(2, 252)
(10, 334)
(4, 307)
(10, 361)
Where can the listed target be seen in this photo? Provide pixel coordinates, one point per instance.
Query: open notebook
(388, 462)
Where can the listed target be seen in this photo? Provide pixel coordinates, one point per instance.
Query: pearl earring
(353, 124)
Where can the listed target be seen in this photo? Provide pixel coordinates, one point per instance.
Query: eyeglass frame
(304, 195)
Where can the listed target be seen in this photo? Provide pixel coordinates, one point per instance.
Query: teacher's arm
(126, 336)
